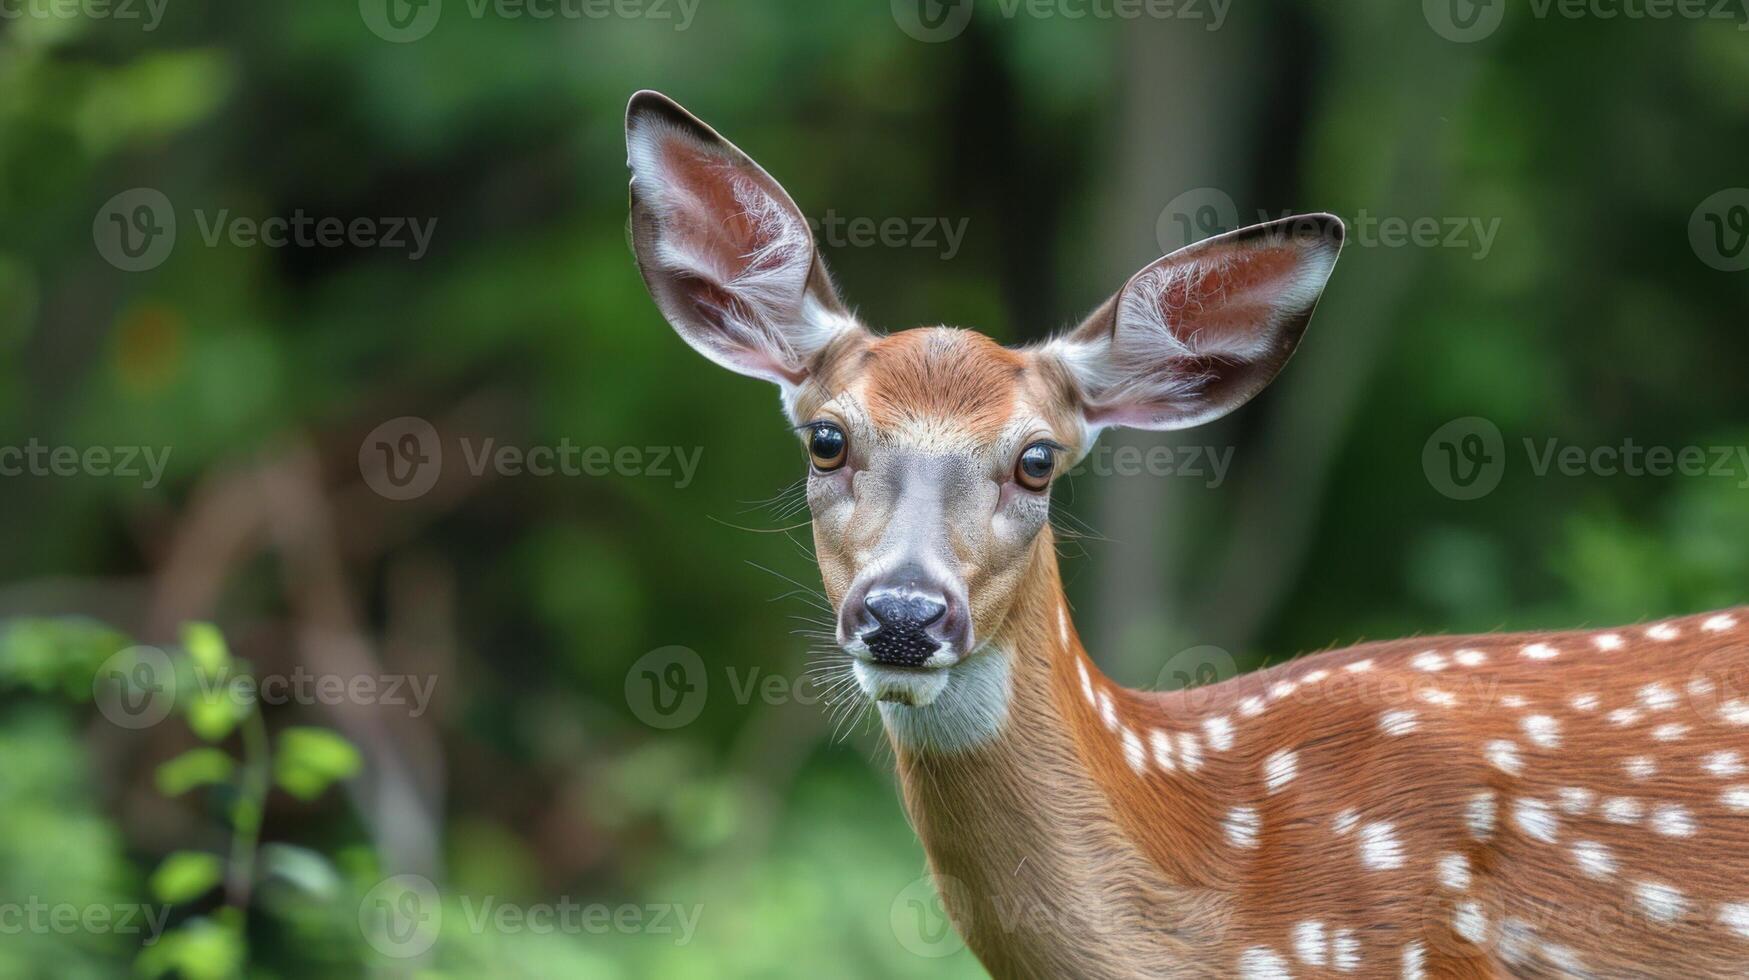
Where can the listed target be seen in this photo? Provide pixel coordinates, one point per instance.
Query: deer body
(1564, 804)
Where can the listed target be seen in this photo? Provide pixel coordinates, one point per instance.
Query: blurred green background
(1580, 285)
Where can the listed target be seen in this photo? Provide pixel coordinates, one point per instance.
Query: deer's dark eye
(1033, 471)
(827, 446)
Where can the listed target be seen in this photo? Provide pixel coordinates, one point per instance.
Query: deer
(1560, 803)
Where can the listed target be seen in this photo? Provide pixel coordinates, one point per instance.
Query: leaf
(200, 949)
(186, 875)
(214, 711)
(196, 767)
(206, 647)
(309, 759)
(305, 870)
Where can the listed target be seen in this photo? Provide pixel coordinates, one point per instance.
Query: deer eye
(827, 446)
(1033, 470)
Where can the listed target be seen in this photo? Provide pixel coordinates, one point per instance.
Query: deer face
(931, 452)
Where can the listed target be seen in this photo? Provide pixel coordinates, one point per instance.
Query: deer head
(931, 452)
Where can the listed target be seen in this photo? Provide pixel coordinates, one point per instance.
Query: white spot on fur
(1700, 686)
(1719, 623)
(1282, 689)
(1379, 847)
(1663, 632)
(1540, 651)
(1724, 764)
(1160, 744)
(1672, 820)
(1262, 963)
(1063, 627)
(1086, 684)
(1359, 666)
(1469, 921)
(1536, 819)
(1315, 676)
(1107, 711)
(1641, 766)
(1657, 697)
(1608, 641)
(1433, 695)
(1454, 872)
(1576, 800)
(1251, 707)
(1309, 943)
(1513, 701)
(1470, 658)
(1429, 661)
(1241, 826)
(1279, 770)
(1623, 717)
(1542, 730)
(1504, 756)
(1736, 797)
(1344, 951)
(1623, 809)
(1220, 733)
(1189, 751)
(1660, 901)
(1415, 961)
(1594, 859)
(1584, 702)
(1735, 711)
(1345, 821)
(1479, 815)
(1670, 732)
(1735, 917)
(1132, 750)
(1398, 722)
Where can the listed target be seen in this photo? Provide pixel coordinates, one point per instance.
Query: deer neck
(1012, 785)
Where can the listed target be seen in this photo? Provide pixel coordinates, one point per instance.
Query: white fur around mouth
(914, 686)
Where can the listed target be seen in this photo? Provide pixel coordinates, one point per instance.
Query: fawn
(1550, 804)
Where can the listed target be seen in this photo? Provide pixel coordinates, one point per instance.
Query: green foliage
(309, 760)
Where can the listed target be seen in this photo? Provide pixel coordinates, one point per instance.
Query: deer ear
(1198, 333)
(726, 254)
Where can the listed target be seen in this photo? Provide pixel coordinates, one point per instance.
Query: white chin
(900, 685)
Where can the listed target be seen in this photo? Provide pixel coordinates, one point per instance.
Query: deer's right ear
(728, 257)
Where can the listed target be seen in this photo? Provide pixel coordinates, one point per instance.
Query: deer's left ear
(1198, 333)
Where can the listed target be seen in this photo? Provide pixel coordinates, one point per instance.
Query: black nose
(904, 617)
